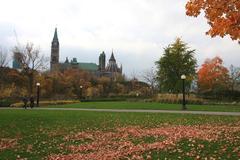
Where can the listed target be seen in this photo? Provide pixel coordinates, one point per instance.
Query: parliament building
(102, 69)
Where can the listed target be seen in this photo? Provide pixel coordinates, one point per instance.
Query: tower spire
(112, 58)
(55, 38)
(54, 52)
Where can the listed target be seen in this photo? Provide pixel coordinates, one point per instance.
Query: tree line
(211, 79)
(66, 84)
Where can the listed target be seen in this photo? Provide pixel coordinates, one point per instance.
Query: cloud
(137, 30)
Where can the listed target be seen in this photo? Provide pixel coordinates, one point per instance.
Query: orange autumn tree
(223, 16)
(213, 77)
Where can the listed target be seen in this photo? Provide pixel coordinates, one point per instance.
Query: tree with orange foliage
(213, 77)
(223, 16)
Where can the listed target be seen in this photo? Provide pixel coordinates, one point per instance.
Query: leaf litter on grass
(6, 143)
(119, 144)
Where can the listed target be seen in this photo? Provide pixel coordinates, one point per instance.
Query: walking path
(136, 111)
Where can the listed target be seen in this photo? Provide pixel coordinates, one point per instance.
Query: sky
(136, 30)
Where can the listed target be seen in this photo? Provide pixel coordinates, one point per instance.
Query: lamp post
(183, 77)
(137, 94)
(81, 87)
(38, 93)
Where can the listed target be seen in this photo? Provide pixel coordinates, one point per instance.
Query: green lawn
(148, 105)
(36, 134)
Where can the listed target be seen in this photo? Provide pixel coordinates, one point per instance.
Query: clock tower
(54, 52)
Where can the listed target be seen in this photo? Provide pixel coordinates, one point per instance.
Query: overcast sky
(136, 30)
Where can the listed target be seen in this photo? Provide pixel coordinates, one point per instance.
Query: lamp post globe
(81, 88)
(183, 77)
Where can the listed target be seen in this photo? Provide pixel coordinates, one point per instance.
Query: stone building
(110, 70)
(54, 63)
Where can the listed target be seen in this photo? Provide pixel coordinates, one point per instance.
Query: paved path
(137, 111)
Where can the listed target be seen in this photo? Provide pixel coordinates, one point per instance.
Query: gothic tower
(54, 52)
(102, 62)
(112, 65)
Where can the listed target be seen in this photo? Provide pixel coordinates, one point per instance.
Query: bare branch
(234, 77)
(30, 60)
(150, 77)
(29, 57)
(3, 58)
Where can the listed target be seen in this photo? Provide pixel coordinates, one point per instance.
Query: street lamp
(137, 94)
(183, 77)
(38, 93)
(81, 87)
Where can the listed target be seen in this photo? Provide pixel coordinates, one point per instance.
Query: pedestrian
(25, 101)
(31, 101)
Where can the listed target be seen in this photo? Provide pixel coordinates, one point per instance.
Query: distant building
(15, 62)
(77, 65)
(54, 63)
(109, 70)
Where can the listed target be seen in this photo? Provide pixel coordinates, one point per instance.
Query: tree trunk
(30, 82)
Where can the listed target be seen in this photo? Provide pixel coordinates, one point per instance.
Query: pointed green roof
(88, 66)
(112, 58)
(55, 38)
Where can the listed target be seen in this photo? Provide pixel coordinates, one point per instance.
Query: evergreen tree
(177, 59)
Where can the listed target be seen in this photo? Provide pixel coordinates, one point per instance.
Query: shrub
(177, 98)
(46, 103)
(107, 99)
(5, 102)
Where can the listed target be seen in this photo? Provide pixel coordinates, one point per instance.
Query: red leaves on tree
(213, 75)
(223, 16)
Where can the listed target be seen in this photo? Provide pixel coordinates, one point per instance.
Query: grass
(39, 133)
(148, 105)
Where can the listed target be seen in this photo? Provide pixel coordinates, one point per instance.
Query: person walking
(25, 101)
(31, 101)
